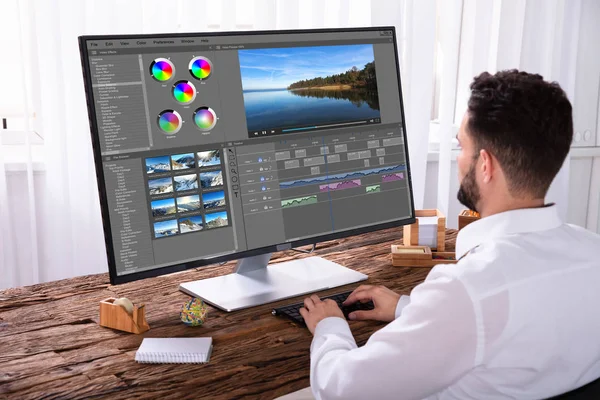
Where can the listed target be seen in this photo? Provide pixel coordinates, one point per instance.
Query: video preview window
(305, 88)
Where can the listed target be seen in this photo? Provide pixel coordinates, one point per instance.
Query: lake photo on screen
(303, 86)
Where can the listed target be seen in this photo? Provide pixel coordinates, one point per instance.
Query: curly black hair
(526, 123)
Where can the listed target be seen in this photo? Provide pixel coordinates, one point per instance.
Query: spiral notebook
(174, 350)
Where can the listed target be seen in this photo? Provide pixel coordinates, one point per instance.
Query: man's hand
(315, 310)
(384, 300)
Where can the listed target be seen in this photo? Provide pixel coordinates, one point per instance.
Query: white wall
(593, 211)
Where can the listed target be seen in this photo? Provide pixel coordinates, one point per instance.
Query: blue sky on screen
(213, 216)
(211, 196)
(278, 68)
(163, 203)
(170, 224)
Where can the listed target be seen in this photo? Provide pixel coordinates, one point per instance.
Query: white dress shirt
(517, 318)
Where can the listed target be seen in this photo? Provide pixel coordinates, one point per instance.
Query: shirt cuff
(403, 302)
(333, 325)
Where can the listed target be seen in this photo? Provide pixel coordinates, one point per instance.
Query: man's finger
(309, 304)
(359, 289)
(303, 312)
(315, 299)
(363, 315)
(363, 287)
(362, 296)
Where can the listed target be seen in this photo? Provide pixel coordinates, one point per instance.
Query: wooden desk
(51, 345)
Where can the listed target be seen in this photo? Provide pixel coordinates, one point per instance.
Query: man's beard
(468, 193)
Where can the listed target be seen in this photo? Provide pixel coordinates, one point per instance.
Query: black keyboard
(292, 311)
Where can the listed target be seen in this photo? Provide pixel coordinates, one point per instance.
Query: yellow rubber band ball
(194, 312)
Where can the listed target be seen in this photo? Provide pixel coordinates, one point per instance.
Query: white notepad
(174, 350)
(428, 231)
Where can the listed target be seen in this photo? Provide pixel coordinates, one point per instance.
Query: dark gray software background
(128, 102)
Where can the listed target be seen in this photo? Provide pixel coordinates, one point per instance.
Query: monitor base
(255, 283)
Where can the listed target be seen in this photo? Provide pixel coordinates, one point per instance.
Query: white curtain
(50, 224)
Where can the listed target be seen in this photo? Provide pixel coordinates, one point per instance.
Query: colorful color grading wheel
(162, 69)
(169, 121)
(184, 92)
(200, 68)
(205, 118)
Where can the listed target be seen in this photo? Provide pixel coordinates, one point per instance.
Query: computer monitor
(232, 145)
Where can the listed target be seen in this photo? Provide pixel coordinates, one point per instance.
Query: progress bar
(323, 126)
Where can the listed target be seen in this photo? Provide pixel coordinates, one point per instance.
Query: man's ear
(488, 165)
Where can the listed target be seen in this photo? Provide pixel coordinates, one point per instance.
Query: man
(517, 317)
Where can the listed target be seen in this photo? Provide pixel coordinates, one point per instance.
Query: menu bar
(230, 39)
(133, 43)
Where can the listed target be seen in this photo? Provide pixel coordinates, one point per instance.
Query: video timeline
(367, 181)
(349, 179)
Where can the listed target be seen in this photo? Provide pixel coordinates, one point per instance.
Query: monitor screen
(216, 146)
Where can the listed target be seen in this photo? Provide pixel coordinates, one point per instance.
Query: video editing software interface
(214, 145)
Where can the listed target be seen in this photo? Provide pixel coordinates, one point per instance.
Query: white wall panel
(579, 190)
(587, 79)
(593, 219)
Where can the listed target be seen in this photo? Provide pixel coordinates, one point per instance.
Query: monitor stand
(254, 282)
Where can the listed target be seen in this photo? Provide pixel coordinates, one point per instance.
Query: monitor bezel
(129, 277)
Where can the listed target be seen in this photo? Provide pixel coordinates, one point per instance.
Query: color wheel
(162, 69)
(200, 67)
(184, 92)
(205, 118)
(169, 121)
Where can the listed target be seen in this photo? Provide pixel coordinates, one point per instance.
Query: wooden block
(411, 232)
(400, 262)
(116, 317)
(411, 252)
(420, 263)
(441, 232)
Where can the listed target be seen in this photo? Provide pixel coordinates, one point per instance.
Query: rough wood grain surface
(51, 345)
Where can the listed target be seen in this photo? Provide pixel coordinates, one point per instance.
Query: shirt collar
(511, 222)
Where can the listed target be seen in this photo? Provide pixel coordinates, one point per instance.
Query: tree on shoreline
(364, 78)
